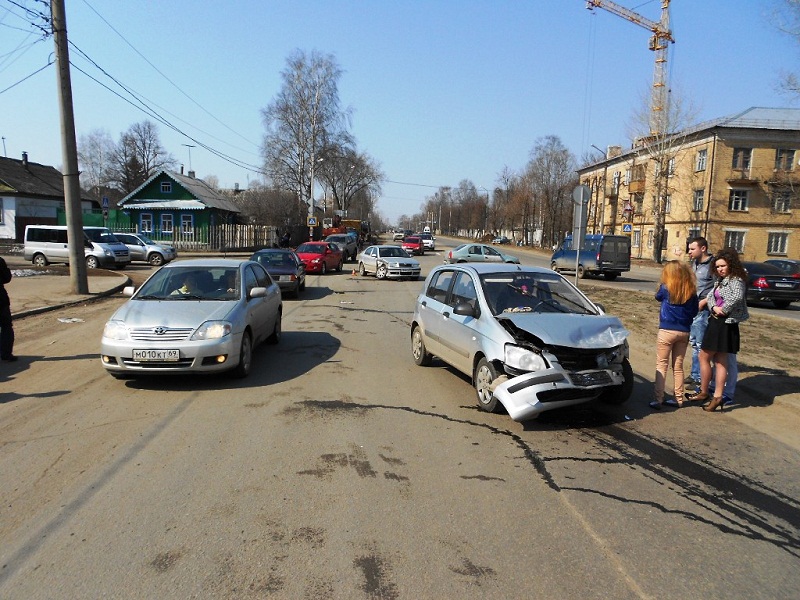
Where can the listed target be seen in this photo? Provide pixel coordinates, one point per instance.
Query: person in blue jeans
(701, 264)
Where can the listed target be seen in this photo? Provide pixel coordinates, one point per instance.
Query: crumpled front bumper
(525, 396)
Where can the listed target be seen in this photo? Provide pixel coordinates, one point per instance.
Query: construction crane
(659, 44)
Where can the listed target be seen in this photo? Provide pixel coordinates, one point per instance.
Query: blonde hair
(679, 280)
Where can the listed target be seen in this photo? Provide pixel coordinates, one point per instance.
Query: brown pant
(670, 344)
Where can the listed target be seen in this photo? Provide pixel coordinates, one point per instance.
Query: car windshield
(310, 249)
(191, 283)
(276, 259)
(393, 253)
(532, 292)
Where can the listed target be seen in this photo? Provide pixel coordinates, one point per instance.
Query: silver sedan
(388, 262)
(201, 315)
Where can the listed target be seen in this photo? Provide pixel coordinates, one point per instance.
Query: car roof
(273, 251)
(496, 267)
(207, 262)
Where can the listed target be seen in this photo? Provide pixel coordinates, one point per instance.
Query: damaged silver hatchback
(529, 339)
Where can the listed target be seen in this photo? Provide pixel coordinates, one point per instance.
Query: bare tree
(302, 121)
(348, 174)
(660, 153)
(787, 19)
(552, 175)
(95, 152)
(138, 156)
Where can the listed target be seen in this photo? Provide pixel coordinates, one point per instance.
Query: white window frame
(671, 167)
(698, 200)
(782, 201)
(651, 236)
(738, 200)
(735, 238)
(627, 176)
(777, 242)
(146, 223)
(166, 187)
(667, 203)
(167, 223)
(187, 224)
(636, 238)
(701, 160)
(693, 232)
(784, 159)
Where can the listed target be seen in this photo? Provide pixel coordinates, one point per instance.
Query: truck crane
(659, 44)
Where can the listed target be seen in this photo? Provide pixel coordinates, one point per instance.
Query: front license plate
(156, 355)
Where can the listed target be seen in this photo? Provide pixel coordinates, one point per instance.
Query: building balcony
(741, 177)
(636, 187)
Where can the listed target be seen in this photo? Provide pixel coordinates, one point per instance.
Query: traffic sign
(105, 201)
(312, 221)
(627, 228)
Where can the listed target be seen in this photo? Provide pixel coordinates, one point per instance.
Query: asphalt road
(339, 469)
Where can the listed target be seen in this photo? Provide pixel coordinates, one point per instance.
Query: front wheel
(40, 260)
(484, 375)
(421, 355)
(242, 370)
(156, 259)
(324, 268)
(382, 272)
(361, 270)
(554, 267)
(91, 262)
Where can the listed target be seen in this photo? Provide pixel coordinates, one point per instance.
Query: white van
(48, 243)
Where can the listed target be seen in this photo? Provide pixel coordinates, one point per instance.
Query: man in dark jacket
(6, 328)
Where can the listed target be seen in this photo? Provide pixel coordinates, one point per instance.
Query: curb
(88, 299)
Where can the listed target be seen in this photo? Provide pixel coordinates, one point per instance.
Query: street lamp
(190, 146)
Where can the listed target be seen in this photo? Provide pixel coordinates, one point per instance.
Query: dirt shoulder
(769, 375)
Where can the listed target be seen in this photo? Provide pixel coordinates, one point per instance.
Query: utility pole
(69, 153)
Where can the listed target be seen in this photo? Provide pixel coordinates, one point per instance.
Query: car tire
(484, 375)
(610, 276)
(619, 394)
(553, 266)
(120, 376)
(276, 334)
(781, 303)
(296, 291)
(381, 272)
(303, 285)
(361, 270)
(421, 355)
(155, 259)
(324, 269)
(242, 370)
(340, 266)
(91, 262)
(40, 260)
(581, 272)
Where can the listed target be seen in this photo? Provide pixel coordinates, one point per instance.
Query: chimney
(181, 169)
(25, 159)
(191, 174)
(236, 187)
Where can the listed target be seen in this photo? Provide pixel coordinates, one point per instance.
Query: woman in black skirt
(728, 308)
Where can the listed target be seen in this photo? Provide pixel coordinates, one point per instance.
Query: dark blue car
(285, 267)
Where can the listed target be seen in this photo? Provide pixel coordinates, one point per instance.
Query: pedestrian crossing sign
(627, 228)
(312, 221)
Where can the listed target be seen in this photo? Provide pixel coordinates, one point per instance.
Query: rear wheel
(276, 332)
(421, 355)
(610, 276)
(242, 370)
(484, 375)
(40, 260)
(581, 272)
(340, 265)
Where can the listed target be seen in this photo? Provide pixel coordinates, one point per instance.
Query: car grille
(160, 334)
(575, 359)
(173, 364)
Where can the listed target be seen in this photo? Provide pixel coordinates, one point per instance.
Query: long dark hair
(735, 268)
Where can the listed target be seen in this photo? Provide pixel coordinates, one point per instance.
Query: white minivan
(45, 244)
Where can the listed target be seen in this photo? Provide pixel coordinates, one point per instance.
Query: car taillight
(760, 283)
(450, 254)
(796, 276)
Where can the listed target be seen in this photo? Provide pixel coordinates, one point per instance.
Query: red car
(320, 257)
(414, 245)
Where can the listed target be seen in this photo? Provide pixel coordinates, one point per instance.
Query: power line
(25, 78)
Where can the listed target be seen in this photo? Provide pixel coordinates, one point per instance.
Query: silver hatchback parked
(143, 249)
(529, 339)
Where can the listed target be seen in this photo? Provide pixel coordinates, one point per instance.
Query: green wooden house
(177, 207)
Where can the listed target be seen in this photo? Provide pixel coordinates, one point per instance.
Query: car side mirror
(465, 309)
(257, 292)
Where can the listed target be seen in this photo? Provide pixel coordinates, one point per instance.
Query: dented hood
(571, 330)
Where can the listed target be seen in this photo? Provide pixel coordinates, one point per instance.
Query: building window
(638, 204)
(741, 158)
(1, 212)
(166, 187)
(636, 238)
(738, 201)
(615, 182)
(667, 203)
(693, 232)
(698, 200)
(187, 224)
(782, 201)
(671, 167)
(166, 223)
(627, 176)
(784, 160)
(650, 238)
(735, 240)
(146, 223)
(700, 160)
(777, 242)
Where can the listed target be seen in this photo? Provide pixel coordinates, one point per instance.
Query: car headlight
(108, 252)
(212, 330)
(394, 265)
(115, 330)
(523, 359)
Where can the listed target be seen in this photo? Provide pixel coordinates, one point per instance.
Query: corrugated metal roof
(166, 204)
(206, 195)
(32, 180)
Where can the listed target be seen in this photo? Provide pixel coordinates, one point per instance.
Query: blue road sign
(627, 228)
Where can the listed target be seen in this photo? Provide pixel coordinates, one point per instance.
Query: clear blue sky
(441, 90)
